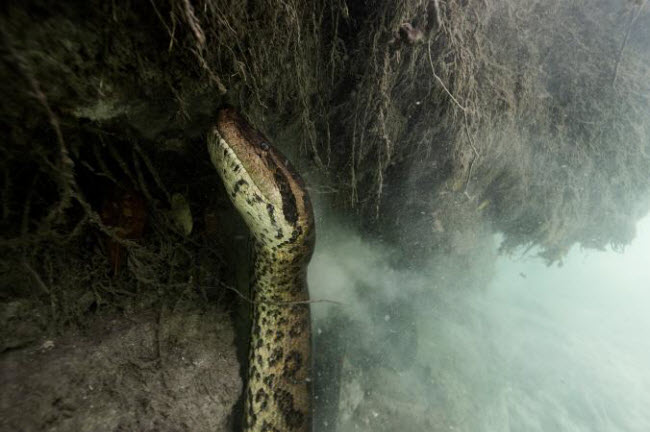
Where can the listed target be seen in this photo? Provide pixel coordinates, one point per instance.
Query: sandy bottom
(174, 369)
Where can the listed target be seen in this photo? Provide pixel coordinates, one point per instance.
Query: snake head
(264, 187)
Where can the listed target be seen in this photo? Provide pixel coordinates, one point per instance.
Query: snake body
(272, 199)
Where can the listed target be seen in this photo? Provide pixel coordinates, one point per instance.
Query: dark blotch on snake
(271, 210)
(292, 416)
(262, 398)
(266, 427)
(275, 356)
(292, 364)
(238, 186)
(297, 328)
(289, 208)
(268, 380)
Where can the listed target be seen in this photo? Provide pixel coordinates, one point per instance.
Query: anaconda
(272, 199)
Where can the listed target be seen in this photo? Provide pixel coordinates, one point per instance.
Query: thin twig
(65, 163)
(436, 7)
(77, 229)
(106, 172)
(474, 159)
(120, 161)
(433, 71)
(186, 11)
(251, 301)
(36, 277)
(633, 19)
(27, 208)
(193, 22)
(141, 181)
(204, 64)
(162, 20)
(152, 170)
(6, 192)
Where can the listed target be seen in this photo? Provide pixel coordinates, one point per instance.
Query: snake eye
(264, 145)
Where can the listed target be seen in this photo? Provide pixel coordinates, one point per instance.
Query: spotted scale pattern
(272, 199)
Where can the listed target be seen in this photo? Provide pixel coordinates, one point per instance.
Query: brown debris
(126, 211)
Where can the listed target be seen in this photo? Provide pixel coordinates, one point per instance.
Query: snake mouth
(225, 159)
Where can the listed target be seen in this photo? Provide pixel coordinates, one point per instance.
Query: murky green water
(532, 348)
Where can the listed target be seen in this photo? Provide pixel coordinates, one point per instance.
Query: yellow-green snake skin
(272, 199)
